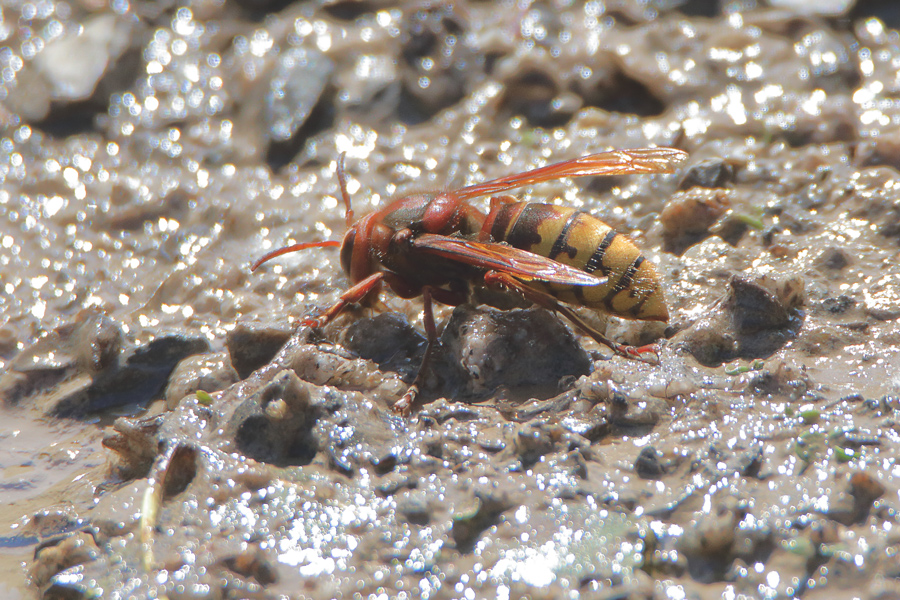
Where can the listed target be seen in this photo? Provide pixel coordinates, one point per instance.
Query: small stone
(865, 489)
(70, 68)
(251, 345)
(688, 216)
(631, 412)
(298, 81)
(648, 464)
(535, 440)
(473, 520)
(756, 318)
(253, 562)
(414, 507)
(74, 64)
(389, 341)
(135, 443)
(852, 506)
(592, 425)
(709, 173)
(58, 554)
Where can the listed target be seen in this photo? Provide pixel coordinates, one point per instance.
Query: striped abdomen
(633, 288)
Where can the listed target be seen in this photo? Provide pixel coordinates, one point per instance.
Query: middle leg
(404, 404)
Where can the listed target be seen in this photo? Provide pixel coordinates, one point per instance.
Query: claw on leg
(405, 403)
(355, 294)
(648, 354)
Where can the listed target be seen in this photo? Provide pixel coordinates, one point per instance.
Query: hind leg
(648, 354)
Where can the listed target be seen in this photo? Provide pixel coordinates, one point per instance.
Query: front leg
(355, 294)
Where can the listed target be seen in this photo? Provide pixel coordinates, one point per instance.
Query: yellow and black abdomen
(632, 289)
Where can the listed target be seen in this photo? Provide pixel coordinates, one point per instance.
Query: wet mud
(173, 428)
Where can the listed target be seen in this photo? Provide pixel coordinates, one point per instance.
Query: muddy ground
(172, 429)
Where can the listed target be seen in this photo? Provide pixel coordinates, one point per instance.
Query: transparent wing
(614, 162)
(521, 264)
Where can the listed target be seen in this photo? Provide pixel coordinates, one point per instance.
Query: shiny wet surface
(757, 460)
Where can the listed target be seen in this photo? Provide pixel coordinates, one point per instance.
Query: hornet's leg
(404, 404)
(351, 296)
(648, 354)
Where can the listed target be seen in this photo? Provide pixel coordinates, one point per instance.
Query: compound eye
(347, 249)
